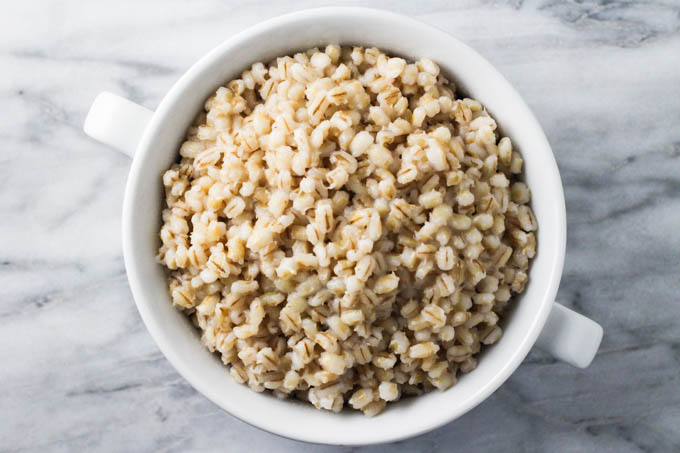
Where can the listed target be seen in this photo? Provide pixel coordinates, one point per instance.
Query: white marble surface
(79, 371)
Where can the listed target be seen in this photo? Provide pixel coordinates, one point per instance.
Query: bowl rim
(156, 329)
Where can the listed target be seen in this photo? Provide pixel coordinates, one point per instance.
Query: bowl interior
(398, 35)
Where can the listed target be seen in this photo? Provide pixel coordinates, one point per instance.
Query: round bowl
(158, 149)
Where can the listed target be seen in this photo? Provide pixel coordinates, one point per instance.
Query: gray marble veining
(80, 373)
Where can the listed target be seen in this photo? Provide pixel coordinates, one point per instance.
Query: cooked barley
(343, 228)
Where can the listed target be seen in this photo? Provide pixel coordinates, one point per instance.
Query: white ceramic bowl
(154, 137)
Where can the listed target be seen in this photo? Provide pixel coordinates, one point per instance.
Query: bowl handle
(117, 122)
(570, 336)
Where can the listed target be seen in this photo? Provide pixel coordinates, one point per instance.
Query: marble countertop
(79, 371)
